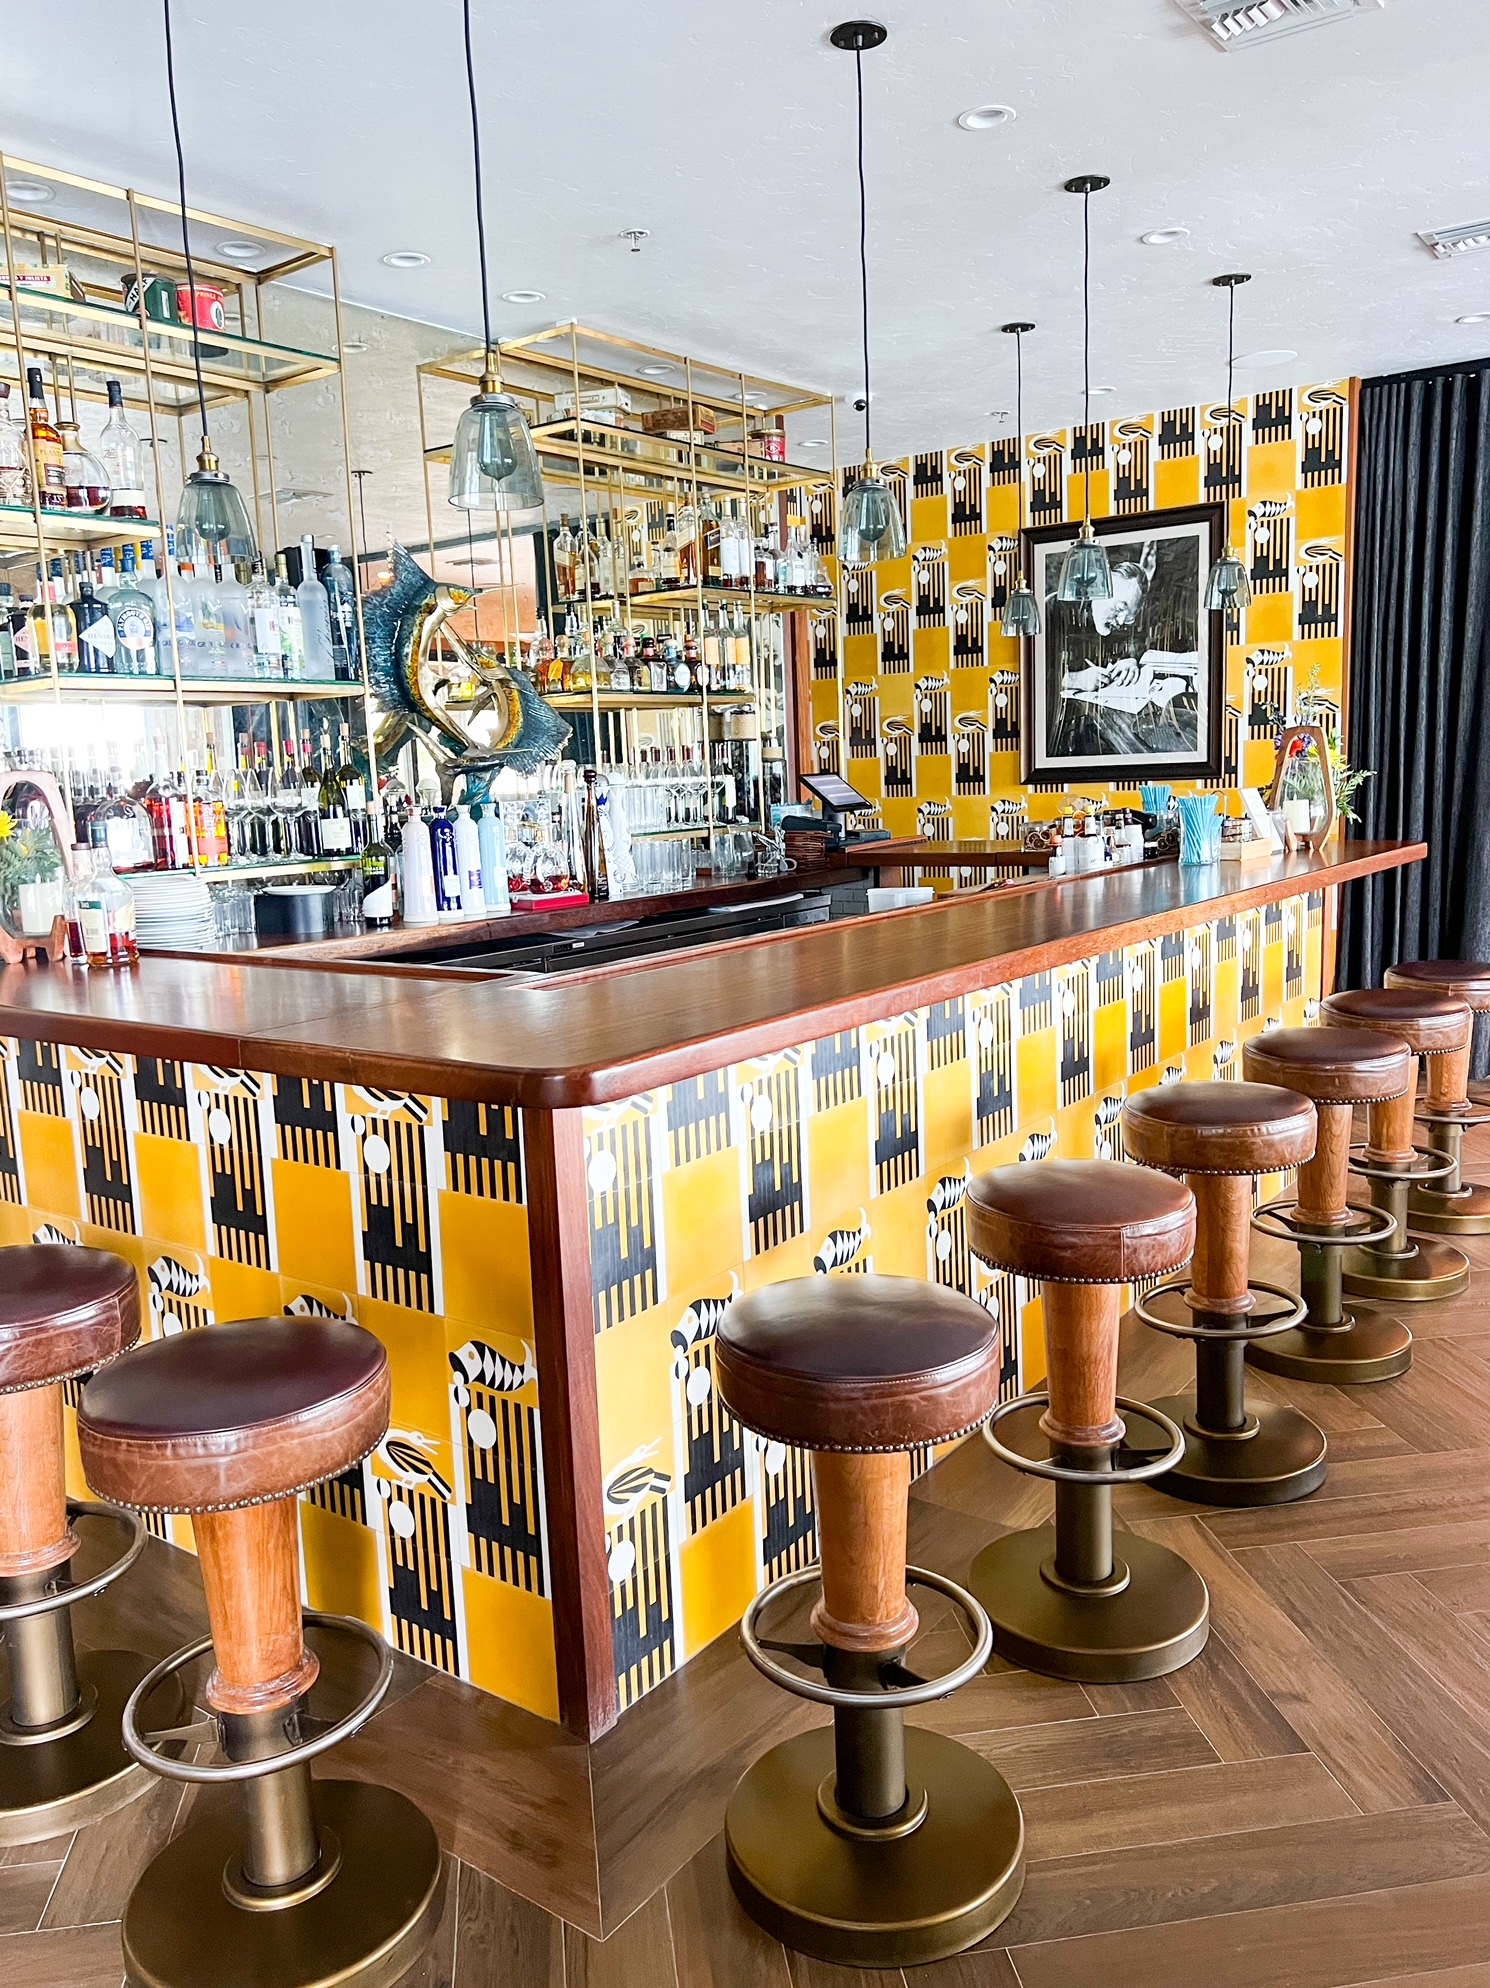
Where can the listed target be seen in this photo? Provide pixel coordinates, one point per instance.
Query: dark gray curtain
(1420, 656)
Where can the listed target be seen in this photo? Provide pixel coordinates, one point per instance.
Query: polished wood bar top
(592, 1036)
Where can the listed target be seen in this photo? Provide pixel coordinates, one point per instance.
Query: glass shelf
(61, 528)
(300, 866)
(73, 685)
(682, 597)
(643, 700)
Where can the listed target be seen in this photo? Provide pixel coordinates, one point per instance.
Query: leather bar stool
(1339, 1068)
(1062, 1601)
(1404, 1268)
(340, 1884)
(866, 1843)
(1220, 1136)
(1451, 1206)
(63, 1312)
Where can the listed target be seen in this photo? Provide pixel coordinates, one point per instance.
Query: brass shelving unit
(106, 235)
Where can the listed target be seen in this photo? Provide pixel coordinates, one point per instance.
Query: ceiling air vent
(1446, 243)
(1229, 25)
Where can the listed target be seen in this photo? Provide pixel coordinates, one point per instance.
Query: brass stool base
(911, 1899)
(1155, 1624)
(1363, 1349)
(1464, 1214)
(368, 1926)
(50, 1787)
(1429, 1270)
(1283, 1459)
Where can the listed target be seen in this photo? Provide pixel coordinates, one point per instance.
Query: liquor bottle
(446, 857)
(766, 580)
(63, 627)
(209, 816)
(335, 829)
(82, 871)
(711, 544)
(315, 617)
(667, 555)
(491, 835)
(587, 558)
(8, 669)
(597, 879)
(15, 478)
(378, 890)
(97, 643)
(731, 568)
(417, 872)
(107, 577)
(341, 593)
(540, 655)
(106, 909)
(85, 482)
(263, 823)
(564, 559)
(353, 790)
(291, 627)
(126, 828)
(184, 597)
(122, 457)
(691, 666)
(153, 582)
(263, 608)
(210, 636)
(287, 805)
(46, 447)
(687, 544)
(605, 560)
(468, 855)
(237, 636)
(237, 800)
(308, 821)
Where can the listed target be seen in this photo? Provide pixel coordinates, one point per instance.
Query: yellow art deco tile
(967, 559)
(933, 775)
(633, 1381)
(488, 1273)
(899, 1239)
(1001, 508)
(947, 1117)
(416, 1345)
(241, 1291)
(16, 1224)
(1177, 482)
(342, 1576)
(1036, 1077)
(1032, 1345)
(315, 1223)
(51, 1165)
(866, 776)
(1272, 468)
(789, 1259)
(928, 520)
(1272, 979)
(893, 576)
(1174, 1019)
(838, 1160)
(1101, 501)
(1270, 618)
(1258, 762)
(300, 1297)
(860, 657)
(969, 819)
(1319, 656)
(1075, 1130)
(1109, 1045)
(1321, 513)
(899, 816)
(897, 694)
(931, 652)
(701, 1213)
(718, 1573)
(510, 1634)
(168, 1173)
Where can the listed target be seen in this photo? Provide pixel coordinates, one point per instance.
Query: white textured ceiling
(726, 129)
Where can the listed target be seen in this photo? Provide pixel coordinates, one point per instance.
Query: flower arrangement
(28, 854)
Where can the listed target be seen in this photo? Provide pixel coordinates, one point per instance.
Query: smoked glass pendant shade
(1021, 613)
(1227, 587)
(871, 527)
(1085, 574)
(212, 524)
(493, 464)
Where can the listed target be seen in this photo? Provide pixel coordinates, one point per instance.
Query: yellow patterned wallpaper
(923, 714)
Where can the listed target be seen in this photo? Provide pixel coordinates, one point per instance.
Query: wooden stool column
(1451, 1206)
(872, 1845)
(63, 1311)
(324, 1881)
(1062, 1601)
(1404, 1267)
(1220, 1136)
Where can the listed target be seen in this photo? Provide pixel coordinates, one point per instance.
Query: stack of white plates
(173, 911)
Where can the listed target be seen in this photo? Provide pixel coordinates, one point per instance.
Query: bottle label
(378, 904)
(266, 631)
(136, 630)
(356, 797)
(98, 642)
(336, 834)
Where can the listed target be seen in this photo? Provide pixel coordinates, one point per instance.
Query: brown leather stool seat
(1330, 1065)
(1452, 1206)
(866, 1843)
(1060, 1600)
(1406, 1267)
(1220, 1135)
(63, 1312)
(229, 1423)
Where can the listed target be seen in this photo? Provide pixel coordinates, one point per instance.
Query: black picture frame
(1160, 562)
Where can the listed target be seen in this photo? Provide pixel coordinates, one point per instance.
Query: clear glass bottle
(107, 577)
(237, 801)
(353, 787)
(667, 554)
(341, 593)
(106, 908)
(122, 456)
(85, 482)
(315, 617)
(287, 805)
(8, 665)
(237, 635)
(687, 543)
(263, 609)
(308, 821)
(210, 639)
(63, 627)
(564, 559)
(15, 477)
(291, 627)
(335, 828)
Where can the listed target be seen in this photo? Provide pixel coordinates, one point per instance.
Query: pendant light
(1021, 609)
(1227, 588)
(212, 524)
(1085, 575)
(493, 464)
(871, 526)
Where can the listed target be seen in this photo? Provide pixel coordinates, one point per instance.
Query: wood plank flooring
(1307, 1805)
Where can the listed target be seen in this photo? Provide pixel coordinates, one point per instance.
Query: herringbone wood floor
(1306, 1806)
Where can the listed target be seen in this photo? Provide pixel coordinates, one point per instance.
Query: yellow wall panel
(967, 558)
(1176, 482)
(511, 1634)
(947, 1117)
(342, 1576)
(719, 1579)
(51, 1163)
(1037, 1079)
(168, 1173)
(1321, 513)
(702, 1215)
(313, 1219)
(838, 1160)
(484, 1250)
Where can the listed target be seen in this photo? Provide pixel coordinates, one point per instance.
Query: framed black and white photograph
(1131, 688)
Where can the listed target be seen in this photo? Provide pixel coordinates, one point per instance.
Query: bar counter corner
(542, 1196)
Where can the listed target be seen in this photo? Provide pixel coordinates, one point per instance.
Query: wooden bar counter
(542, 1193)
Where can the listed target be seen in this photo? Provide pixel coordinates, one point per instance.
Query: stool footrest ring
(1476, 1115)
(139, 1747)
(1065, 1473)
(62, 1593)
(892, 1696)
(1366, 1226)
(1297, 1312)
(1427, 1163)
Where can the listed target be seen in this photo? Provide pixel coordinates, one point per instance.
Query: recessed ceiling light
(1097, 390)
(32, 191)
(354, 345)
(656, 372)
(238, 251)
(1276, 355)
(1474, 317)
(405, 259)
(293, 496)
(987, 117)
(523, 296)
(1164, 237)
(813, 442)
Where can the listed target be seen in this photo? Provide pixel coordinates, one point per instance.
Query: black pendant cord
(1230, 352)
(1086, 352)
(863, 248)
(191, 280)
(480, 209)
(1019, 441)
